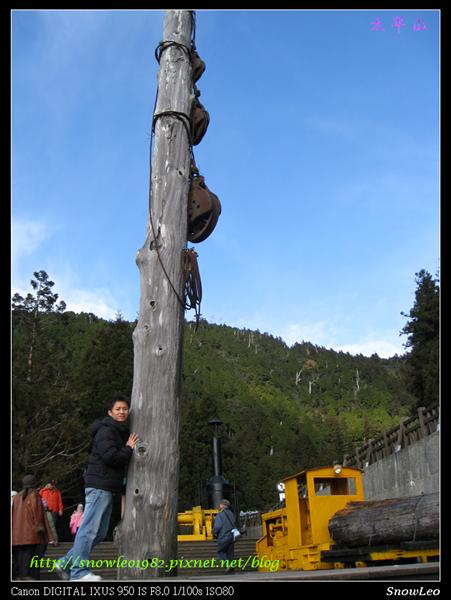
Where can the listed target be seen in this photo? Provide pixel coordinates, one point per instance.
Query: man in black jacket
(222, 530)
(110, 452)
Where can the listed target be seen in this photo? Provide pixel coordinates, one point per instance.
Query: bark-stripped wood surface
(149, 526)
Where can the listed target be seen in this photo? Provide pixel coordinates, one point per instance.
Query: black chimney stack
(217, 456)
(218, 487)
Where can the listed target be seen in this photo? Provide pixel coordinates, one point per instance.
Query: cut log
(386, 522)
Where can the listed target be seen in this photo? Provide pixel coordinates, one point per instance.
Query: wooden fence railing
(410, 430)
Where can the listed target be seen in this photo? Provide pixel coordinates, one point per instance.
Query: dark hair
(117, 398)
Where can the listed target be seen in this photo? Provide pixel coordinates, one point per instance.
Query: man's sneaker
(89, 577)
(62, 574)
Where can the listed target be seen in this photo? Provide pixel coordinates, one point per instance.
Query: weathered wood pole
(391, 521)
(148, 531)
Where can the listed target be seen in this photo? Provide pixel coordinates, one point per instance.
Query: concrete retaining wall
(411, 471)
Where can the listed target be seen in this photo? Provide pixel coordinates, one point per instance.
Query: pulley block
(204, 209)
(200, 120)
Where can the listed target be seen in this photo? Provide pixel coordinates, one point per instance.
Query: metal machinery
(297, 535)
(199, 521)
(217, 486)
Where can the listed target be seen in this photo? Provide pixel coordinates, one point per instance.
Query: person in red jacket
(51, 494)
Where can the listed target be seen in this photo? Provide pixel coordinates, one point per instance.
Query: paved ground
(245, 550)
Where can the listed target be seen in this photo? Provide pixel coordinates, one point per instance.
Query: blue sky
(323, 147)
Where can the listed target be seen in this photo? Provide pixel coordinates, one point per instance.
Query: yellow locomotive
(297, 534)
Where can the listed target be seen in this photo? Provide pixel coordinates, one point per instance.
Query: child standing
(76, 519)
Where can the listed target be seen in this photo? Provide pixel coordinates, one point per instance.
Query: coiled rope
(193, 283)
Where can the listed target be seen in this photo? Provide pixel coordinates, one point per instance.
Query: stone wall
(411, 471)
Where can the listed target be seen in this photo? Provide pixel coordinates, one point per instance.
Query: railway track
(204, 551)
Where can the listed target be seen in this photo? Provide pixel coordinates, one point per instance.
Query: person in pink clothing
(76, 519)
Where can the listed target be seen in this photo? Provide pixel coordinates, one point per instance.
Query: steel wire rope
(192, 285)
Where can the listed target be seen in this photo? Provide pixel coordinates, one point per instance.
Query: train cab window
(332, 486)
(352, 488)
(302, 489)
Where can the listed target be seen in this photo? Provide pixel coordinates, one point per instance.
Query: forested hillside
(283, 408)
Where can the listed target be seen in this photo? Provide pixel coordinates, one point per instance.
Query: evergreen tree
(423, 331)
(46, 433)
(106, 365)
(30, 308)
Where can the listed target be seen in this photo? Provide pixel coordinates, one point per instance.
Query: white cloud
(26, 237)
(79, 297)
(316, 333)
(383, 348)
(330, 336)
(100, 302)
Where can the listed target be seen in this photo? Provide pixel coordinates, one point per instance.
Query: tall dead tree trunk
(148, 530)
(32, 343)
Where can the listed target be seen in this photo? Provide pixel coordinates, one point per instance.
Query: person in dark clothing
(222, 530)
(111, 450)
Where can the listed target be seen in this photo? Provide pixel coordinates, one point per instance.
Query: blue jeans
(93, 529)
